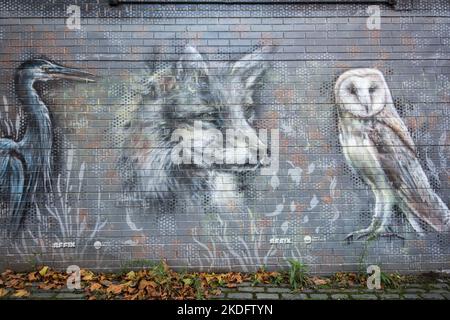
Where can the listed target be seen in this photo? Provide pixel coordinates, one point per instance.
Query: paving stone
(280, 290)
(437, 291)
(43, 296)
(364, 297)
(244, 284)
(439, 286)
(294, 296)
(413, 285)
(327, 290)
(389, 296)
(268, 296)
(415, 290)
(319, 296)
(218, 296)
(446, 295)
(340, 296)
(411, 296)
(69, 296)
(432, 296)
(349, 290)
(239, 295)
(281, 285)
(225, 289)
(251, 289)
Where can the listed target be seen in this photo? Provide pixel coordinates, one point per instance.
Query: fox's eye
(207, 116)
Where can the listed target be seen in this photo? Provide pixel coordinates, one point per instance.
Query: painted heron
(25, 165)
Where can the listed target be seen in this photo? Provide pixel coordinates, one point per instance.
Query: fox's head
(206, 103)
(218, 96)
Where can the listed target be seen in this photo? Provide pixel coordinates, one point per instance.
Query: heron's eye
(372, 89)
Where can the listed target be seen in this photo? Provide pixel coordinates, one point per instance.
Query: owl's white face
(361, 92)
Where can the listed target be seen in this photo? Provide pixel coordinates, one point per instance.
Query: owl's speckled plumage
(377, 144)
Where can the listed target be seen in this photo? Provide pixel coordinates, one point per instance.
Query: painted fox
(193, 94)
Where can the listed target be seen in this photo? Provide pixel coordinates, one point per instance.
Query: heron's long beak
(60, 72)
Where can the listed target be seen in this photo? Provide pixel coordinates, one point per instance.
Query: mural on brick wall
(26, 165)
(218, 141)
(377, 143)
(177, 141)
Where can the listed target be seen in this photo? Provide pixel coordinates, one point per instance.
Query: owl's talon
(358, 234)
(372, 234)
(391, 235)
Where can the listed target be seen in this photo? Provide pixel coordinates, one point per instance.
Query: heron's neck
(38, 128)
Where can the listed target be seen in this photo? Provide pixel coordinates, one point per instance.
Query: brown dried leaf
(3, 292)
(114, 289)
(21, 293)
(32, 276)
(95, 287)
(46, 286)
(87, 275)
(319, 281)
(106, 283)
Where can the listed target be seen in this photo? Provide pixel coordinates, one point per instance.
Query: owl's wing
(401, 165)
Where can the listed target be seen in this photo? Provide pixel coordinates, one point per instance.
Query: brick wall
(113, 198)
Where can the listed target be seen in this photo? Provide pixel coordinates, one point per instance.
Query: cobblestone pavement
(434, 291)
(439, 290)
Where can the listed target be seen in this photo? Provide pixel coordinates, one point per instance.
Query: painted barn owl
(377, 144)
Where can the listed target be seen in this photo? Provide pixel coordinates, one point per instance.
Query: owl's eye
(352, 89)
(372, 89)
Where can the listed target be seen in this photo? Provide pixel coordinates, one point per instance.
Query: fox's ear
(191, 63)
(252, 67)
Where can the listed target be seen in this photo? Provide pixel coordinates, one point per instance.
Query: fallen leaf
(21, 293)
(32, 276)
(43, 271)
(318, 281)
(114, 288)
(3, 292)
(87, 275)
(95, 287)
(46, 286)
(131, 275)
(106, 283)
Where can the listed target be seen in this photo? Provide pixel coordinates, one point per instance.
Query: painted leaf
(311, 168)
(279, 209)
(293, 206)
(275, 182)
(313, 203)
(305, 219)
(295, 174)
(285, 226)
